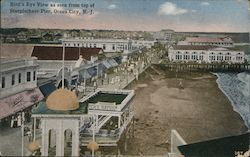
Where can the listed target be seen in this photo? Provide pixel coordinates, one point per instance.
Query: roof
(203, 47)
(207, 39)
(20, 101)
(16, 50)
(71, 53)
(108, 97)
(222, 147)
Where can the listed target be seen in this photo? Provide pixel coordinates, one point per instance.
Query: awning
(112, 62)
(101, 68)
(92, 71)
(106, 64)
(48, 88)
(83, 74)
(15, 103)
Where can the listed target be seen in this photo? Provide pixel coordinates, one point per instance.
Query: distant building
(138, 44)
(205, 53)
(18, 86)
(22, 36)
(108, 45)
(222, 42)
(48, 37)
(164, 36)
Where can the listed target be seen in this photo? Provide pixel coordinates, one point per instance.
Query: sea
(236, 86)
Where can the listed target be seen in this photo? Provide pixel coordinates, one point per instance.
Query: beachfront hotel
(221, 42)
(68, 124)
(205, 53)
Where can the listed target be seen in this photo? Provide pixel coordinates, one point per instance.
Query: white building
(138, 44)
(18, 86)
(205, 54)
(222, 42)
(108, 45)
(102, 116)
(17, 75)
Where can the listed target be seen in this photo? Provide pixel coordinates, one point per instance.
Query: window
(212, 57)
(13, 79)
(194, 56)
(228, 56)
(94, 45)
(220, 57)
(104, 47)
(179, 55)
(34, 76)
(19, 78)
(28, 76)
(113, 47)
(3, 82)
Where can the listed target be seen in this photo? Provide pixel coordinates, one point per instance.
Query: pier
(206, 67)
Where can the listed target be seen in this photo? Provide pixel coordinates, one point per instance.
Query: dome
(33, 146)
(62, 100)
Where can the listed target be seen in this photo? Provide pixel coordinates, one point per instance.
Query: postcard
(125, 78)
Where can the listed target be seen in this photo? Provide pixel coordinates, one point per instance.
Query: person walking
(19, 120)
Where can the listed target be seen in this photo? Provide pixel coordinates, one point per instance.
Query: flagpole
(22, 133)
(63, 57)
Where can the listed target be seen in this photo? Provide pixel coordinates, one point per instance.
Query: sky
(136, 15)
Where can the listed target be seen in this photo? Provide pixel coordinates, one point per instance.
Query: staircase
(101, 121)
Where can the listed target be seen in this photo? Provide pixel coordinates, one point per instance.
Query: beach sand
(199, 111)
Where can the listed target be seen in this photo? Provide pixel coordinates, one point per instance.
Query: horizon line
(125, 30)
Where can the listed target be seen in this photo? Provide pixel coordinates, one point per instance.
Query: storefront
(10, 107)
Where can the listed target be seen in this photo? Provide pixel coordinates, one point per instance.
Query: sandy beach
(198, 111)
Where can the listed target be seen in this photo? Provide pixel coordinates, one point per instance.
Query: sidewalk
(11, 141)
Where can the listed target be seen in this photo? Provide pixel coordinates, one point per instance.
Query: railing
(103, 106)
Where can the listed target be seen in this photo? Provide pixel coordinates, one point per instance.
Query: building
(18, 87)
(205, 54)
(49, 59)
(108, 45)
(67, 124)
(164, 36)
(222, 42)
(139, 44)
(17, 75)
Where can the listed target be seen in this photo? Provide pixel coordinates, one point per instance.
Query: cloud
(205, 3)
(111, 6)
(169, 8)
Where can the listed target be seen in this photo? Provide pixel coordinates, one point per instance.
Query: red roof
(71, 53)
(207, 39)
(204, 47)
